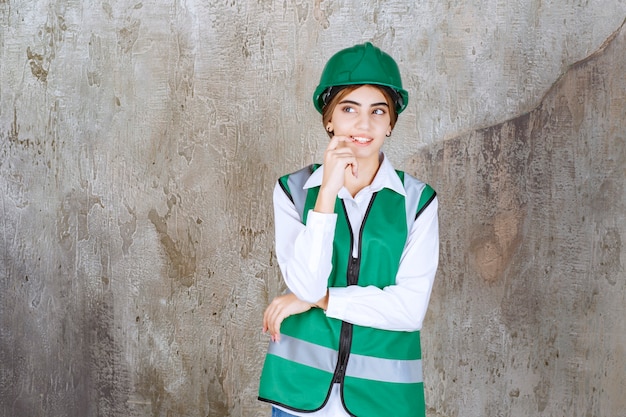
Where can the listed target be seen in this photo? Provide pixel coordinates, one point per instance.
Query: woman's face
(363, 117)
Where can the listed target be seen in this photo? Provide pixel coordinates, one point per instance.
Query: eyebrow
(382, 103)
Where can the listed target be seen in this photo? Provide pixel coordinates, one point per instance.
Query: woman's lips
(359, 139)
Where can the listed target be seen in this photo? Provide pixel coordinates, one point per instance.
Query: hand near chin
(279, 309)
(337, 159)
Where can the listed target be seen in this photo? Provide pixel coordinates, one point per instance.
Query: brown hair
(328, 109)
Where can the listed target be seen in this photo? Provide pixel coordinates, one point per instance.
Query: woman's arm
(400, 307)
(304, 252)
(304, 255)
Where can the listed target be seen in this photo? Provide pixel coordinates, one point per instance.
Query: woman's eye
(379, 111)
(349, 109)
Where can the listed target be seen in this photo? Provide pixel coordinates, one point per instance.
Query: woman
(357, 244)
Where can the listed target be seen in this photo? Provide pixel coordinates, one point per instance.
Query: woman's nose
(364, 120)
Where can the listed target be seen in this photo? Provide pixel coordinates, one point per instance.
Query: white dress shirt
(304, 254)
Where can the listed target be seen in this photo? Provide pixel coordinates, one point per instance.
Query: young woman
(357, 243)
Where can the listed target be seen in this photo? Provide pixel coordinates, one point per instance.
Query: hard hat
(360, 64)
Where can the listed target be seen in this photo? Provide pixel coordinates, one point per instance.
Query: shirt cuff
(338, 302)
(323, 221)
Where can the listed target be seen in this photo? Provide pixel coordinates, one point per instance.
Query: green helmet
(360, 64)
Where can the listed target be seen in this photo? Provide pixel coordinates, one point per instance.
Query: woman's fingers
(275, 318)
(354, 167)
(278, 310)
(272, 317)
(334, 142)
(337, 159)
(269, 317)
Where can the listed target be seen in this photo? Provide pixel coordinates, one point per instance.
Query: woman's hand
(279, 309)
(337, 159)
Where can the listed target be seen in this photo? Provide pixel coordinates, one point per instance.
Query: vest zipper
(345, 341)
(345, 335)
(353, 271)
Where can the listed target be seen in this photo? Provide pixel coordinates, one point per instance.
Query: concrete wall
(139, 143)
(527, 314)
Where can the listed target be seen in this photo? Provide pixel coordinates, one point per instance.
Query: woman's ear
(329, 127)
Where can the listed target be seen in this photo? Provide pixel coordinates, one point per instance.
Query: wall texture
(527, 314)
(140, 141)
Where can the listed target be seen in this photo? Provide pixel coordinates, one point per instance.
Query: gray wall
(140, 141)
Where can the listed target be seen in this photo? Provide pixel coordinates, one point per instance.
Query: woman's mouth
(359, 139)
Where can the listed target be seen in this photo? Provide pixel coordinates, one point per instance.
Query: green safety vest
(380, 371)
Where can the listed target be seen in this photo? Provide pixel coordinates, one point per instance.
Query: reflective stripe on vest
(296, 181)
(359, 366)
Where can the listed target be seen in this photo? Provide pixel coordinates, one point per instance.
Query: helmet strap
(330, 92)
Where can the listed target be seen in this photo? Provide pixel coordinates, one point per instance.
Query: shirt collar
(386, 177)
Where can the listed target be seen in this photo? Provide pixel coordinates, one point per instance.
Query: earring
(329, 129)
(388, 134)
